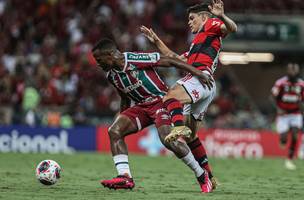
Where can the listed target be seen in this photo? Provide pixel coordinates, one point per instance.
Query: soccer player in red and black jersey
(288, 93)
(134, 77)
(203, 55)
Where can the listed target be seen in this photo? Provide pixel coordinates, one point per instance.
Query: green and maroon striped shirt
(138, 79)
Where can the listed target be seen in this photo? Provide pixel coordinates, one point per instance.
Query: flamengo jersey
(138, 79)
(206, 45)
(288, 95)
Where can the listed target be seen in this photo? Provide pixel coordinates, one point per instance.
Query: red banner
(218, 143)
(145, 141)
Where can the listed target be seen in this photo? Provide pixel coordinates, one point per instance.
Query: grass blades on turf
(155, 178)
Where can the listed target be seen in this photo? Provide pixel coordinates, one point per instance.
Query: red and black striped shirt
(206, 46)
(288, 95)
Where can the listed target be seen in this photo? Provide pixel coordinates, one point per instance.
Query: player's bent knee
(172, 93)
(114, 133)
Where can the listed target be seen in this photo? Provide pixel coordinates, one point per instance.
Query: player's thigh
(129, 121)
(199, 108)
(121, 127)
(139, 115)
(296, 121)
(178, 92)
(195, 90)
(282, 124)
(159, 114)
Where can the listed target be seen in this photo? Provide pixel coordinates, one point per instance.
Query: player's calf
(283, 139)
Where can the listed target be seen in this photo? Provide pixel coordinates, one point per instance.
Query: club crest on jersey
(134, 74)
(195, 94)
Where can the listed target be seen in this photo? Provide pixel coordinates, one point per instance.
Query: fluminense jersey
(288, 95)
(206, 45)
(138, 79)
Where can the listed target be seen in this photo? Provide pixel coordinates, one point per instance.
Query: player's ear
(115, 53)
(204, 16)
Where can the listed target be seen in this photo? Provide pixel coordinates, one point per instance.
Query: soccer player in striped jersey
(203, 55)
(136, 80)
(288, 93)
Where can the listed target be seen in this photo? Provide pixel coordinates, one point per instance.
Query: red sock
(200, 154)
(293, 147)
(175, 109)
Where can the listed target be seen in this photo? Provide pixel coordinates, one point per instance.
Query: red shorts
(144, 115)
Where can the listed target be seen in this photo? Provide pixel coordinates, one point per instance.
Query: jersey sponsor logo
(290, 98)
(296, 89)
(151, 57)
(133, 87)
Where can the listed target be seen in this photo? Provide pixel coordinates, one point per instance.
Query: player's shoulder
(213, 22)
(214, 19)
(301, 82)
(110, 74)
(281, 80)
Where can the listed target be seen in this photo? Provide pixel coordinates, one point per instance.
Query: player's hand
(206, 80)
(149, 33)
(217, 8)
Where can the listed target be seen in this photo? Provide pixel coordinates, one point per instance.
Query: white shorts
(201, 96)
(285, 122)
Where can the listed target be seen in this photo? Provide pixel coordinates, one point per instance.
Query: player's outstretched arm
(153, 37)
(204, 78)
(217, 9)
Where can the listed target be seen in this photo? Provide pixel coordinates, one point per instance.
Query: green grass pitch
(155, 177)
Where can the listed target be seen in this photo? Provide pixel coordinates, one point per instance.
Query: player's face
(195, 22)
(293, 69)
(105, 60)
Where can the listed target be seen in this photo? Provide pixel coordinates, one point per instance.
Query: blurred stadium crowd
(48, 76)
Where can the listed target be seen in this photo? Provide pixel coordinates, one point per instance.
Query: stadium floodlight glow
(260, 57)
(228, 58)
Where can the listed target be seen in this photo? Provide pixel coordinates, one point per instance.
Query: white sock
(122, 164)
(190, 161)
